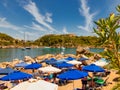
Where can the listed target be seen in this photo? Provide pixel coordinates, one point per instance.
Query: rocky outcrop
(81, 50)
(97, 56)
(28, 59)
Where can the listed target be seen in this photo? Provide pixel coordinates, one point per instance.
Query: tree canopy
(66, 40)
(108, 35)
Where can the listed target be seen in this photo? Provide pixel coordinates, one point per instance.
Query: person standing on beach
(54, 77)
(84, 83)
(79, 67)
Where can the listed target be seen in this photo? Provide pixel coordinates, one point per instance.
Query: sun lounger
(101, 82)
(62, 82)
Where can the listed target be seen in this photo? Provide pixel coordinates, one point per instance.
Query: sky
(36, 18)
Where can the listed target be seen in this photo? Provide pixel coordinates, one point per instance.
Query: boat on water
(26, 48)
(62, 48)
(62, 53)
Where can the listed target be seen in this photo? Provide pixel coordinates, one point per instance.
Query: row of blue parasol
(12, 74)
(33, 66)
(57, 63)
(71, 74)
(89, 68)
(63, 62)
(74, 74)
(53, 61)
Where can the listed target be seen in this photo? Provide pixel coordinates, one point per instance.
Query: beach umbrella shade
(93, 68)
(6, 71)
(1, 68)
(17, 75)
(33, 66)
(83, 59)
(63, 65)
(70, 58)
(49, 69)
(72, 74)
(100, 63)
(74, 62)
(51, 61)
(22, 64)
(35, 85)
(62, 60)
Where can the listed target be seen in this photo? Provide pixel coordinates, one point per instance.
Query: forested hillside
(53, 40)
(67, 40)
(6, 39)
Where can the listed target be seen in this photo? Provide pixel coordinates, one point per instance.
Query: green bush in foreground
(107, 31)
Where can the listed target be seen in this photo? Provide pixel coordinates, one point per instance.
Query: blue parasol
(83, 59)
(33, 66)
(63, 65)
(72, 74)
(22, 64)
(51, 61)
(70, 58)
(93, 68)
(6, 71)
(17, 75)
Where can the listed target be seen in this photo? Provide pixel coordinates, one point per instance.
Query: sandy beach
(78, 84)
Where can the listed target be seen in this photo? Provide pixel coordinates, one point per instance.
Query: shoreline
(35, 46)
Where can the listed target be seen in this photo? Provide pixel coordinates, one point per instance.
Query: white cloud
(36, 27)
(5, 4)
(85, 11)
(19, 31)
(5, 24)
(33, 10)
(48, 17)
(65, 30)
(11, 29)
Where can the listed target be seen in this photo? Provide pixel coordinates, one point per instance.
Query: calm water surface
(10, 54)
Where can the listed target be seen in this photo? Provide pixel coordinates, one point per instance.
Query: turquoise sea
(13, 53)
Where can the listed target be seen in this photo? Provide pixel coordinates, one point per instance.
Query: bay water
(13, 53)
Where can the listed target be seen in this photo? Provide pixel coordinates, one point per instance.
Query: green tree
(107, 31)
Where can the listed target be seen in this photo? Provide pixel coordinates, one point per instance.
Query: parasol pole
(73, 84)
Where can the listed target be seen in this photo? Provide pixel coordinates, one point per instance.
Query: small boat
(63, 48)
(26, 48)
(62, 53)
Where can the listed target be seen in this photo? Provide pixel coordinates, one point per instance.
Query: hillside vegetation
(66, 40)
(6, 39)
(53, 40)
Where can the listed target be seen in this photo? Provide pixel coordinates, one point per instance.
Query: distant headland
(51, 40)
